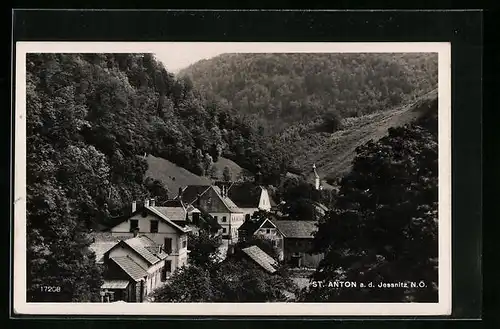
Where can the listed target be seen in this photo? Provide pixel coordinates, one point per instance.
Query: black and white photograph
(248, 178)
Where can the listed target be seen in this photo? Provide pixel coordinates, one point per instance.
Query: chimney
(146, 203)
(198, 201)
(136, 232)
(152, 202)
(134, 206)
(179, 195)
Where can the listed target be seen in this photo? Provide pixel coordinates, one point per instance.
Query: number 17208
(50, 289)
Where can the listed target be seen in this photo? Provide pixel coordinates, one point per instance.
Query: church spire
(316, 177)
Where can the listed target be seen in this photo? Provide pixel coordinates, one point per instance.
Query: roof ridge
(159, 213)
(224, 201)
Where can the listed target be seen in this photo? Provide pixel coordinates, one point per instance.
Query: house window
(224, 219)
(134, 225)
(184, 243)
(275, 243)
(154, 226)
(167, 247)
(224, 230)
(268, 231)
(247, 216)
(215, 217)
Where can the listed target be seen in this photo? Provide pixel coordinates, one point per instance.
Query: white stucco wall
(179, 253)
(233, 220)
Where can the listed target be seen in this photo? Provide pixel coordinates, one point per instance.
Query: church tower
(316, 178)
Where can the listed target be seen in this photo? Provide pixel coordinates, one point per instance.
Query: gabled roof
(191, 192)
(139, 248)
(152, 210)
(131, 268)
(250, 226)
(102, 242)
(261, 258)
(173, 213)
(146, 248)
(143, 246)
(230, 205)
(190, 195)
(296, 228)
(158, 213)
(246, 194)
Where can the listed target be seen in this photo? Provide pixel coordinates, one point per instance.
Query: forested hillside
(275, 90)
(91, 118)
(334, 152)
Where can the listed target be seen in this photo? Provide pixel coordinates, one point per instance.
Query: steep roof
(131, 268)
(157, 211)
(166, 219)
(230, 205)
(173, 213)
(296, 228)
(138, 245)
(152, 246)
(250, 226)
(246, 194)
(191, 192)
(261, 258)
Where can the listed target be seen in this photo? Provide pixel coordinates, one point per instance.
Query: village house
(298, 236)
(265, 229)
(132, 268)
(215, 201)
(188, 215)
(291, 238)
(250, 197)
(166, 226)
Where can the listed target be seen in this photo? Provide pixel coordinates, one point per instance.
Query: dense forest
(275, 90)
(91, 119)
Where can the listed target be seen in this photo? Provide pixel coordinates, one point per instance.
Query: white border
(443, 307)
